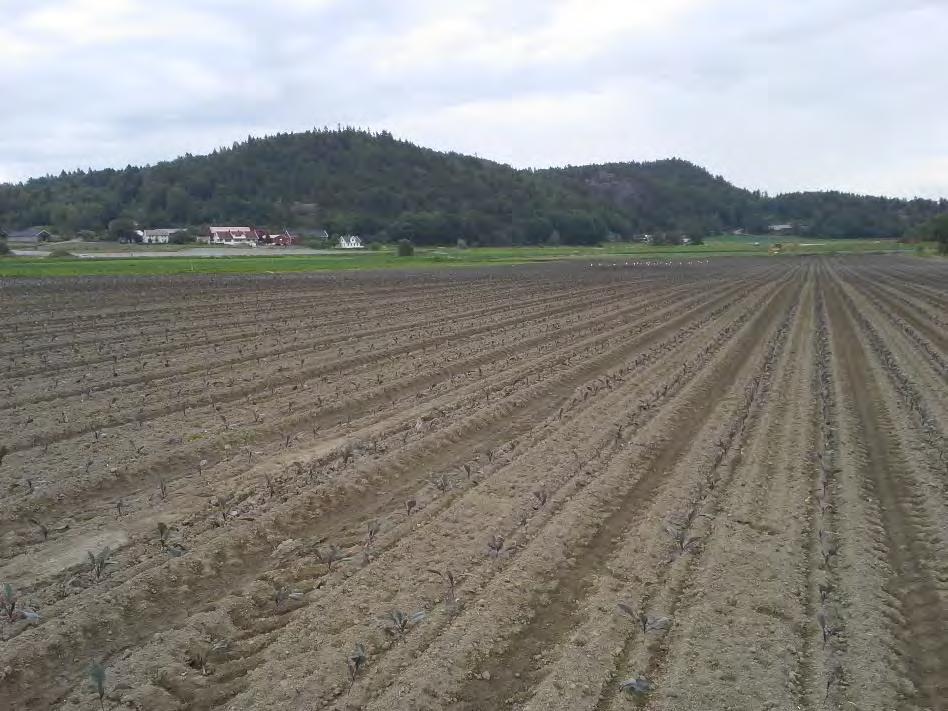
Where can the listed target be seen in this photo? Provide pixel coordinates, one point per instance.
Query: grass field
(40, 267)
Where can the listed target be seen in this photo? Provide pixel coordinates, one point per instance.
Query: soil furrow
(884, 467)
(513, 671)
(247, 561)
(373, 400)
(750, 455)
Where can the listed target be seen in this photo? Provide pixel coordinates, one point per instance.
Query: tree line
(372, 184)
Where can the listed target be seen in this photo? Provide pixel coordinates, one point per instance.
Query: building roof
(161, 231)
(27, 233)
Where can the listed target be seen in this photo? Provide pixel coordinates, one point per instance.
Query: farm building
(29, 235)
(350, 242)
(276, 239)
(241, 236)
(158, 236)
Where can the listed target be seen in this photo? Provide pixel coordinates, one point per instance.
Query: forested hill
(375, 185)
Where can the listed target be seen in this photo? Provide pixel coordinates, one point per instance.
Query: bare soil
(750, 456)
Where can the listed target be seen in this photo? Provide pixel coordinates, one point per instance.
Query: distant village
(239, 236)
(245, 236)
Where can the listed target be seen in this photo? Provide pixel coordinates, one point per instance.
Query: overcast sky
(774, 94)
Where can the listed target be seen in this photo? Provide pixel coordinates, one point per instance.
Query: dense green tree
(122, 228)
(182, 237)
(935, 230)
(178, 204)
(939, 231)
(64, 218)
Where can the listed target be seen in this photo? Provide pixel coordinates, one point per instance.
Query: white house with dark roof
(158, 236)
(350, 242)
(29, 235)
(242, 236)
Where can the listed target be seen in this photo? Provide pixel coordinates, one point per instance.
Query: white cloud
(521, 130)
(84, 22)
(841, 94)
(568, 31)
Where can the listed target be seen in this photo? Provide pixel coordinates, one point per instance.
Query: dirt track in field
(753, 454)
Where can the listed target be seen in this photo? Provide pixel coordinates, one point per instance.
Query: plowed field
(725, 479)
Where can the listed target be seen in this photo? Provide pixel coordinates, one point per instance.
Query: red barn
(276, 239)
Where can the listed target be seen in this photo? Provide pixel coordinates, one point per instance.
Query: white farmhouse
(159, 236)
(242, 236)
(350, 242)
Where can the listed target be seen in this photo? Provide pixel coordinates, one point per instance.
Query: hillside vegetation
(378, 186)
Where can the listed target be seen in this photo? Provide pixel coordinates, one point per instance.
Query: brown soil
(786, 419)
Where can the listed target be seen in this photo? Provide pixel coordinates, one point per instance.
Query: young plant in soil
(355, 662)
(223, 502)
(451, 599)
(44, 531)
(163, 532)
(10, 607)
(690, 515)
(825, 627)
(683, 542)
(540, 498)
(495, 546)
(441, 482)
(98, 562)
(833, 677)
(637, 686)
(331, 555)
(648, 624)
(711, 479)
(97, 677)
(8, 602)
(196, 657)
(372, 529)
(828, 546)
(283, 594)
(271, 486)
(397, 623)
